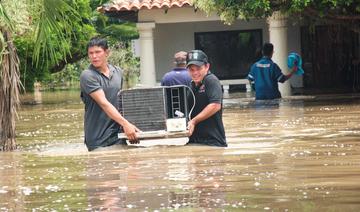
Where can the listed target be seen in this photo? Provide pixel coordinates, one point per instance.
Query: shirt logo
(262, 65)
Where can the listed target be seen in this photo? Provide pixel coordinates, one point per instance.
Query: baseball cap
(196, 57)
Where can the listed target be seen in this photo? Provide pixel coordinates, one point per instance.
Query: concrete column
(147, 59)
(278, 37)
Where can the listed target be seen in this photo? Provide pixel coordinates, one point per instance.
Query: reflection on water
(297, 154)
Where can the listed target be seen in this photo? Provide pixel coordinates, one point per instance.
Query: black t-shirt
(210, 131)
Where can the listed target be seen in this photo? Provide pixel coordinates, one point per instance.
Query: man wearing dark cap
(179, 74)
(266, 74)
(206, 126)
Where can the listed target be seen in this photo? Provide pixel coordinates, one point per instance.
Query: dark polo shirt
(210, 131)
(100, 130)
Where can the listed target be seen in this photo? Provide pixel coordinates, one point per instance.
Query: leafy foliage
(48, 34)
(86, 22)
(41, 49)
(344, 12)
(122, 56)
(16, 23)
(53, 31)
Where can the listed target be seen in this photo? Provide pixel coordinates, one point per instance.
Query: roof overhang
(158, 11)
(118, 6)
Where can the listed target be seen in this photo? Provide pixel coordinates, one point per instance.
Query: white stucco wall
(294, 45)
(174, 31)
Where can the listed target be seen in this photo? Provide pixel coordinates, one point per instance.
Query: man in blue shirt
(178, 75)
(266, 74)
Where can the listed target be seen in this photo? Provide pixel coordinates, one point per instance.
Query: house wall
(174, 31)
(294, 45)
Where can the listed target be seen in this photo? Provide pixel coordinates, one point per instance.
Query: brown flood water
(297, 154)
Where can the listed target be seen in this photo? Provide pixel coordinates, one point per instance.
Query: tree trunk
(9, 91)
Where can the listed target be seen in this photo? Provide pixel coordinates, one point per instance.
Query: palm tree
(46, 19)
(9, 81)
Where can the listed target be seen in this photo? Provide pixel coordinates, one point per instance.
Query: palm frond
(54, 30)
(5, 21)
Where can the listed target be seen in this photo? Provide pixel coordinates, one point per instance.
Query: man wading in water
(100, 84)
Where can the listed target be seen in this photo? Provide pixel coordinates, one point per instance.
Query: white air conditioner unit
(157, 111)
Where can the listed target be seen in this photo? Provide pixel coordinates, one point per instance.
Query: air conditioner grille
(144, 107)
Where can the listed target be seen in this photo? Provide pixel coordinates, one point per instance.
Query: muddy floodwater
(298, 154)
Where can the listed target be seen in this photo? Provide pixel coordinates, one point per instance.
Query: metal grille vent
(144, 107)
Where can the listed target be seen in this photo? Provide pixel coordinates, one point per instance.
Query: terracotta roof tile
(127, 5)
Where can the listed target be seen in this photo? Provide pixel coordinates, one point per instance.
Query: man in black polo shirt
(206, 126)
(100, 84)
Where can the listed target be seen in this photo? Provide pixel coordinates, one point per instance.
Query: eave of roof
(135, 5)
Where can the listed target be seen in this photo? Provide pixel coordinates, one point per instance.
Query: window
(231, 53)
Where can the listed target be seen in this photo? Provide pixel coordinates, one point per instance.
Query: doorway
(330, 54)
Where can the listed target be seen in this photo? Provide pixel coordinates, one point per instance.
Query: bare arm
(129, 129)
(293, 70)
(207, 112)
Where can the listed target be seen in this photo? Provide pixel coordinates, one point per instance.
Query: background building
(331, 54)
